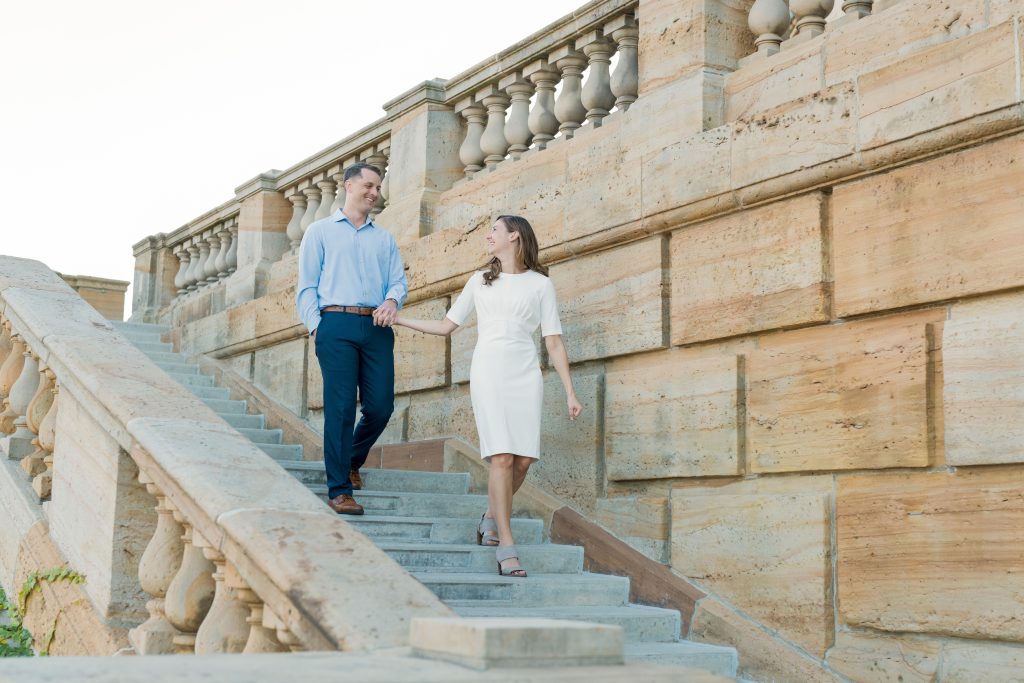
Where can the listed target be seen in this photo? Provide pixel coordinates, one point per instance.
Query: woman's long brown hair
(527, 250)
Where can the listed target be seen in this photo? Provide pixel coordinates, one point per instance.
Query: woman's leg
(499, 492)
(520, 468)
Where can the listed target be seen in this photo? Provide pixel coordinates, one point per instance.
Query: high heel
(508, 552)
(487, 531)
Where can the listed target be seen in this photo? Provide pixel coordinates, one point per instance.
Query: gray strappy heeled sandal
(487, 531)
(507, 552)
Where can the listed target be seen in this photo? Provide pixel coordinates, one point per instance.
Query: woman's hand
(575, 407)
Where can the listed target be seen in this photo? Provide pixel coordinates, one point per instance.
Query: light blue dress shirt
(341, 265)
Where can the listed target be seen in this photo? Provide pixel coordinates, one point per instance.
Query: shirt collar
(340, 217)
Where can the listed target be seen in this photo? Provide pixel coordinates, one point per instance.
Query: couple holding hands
(350, 290)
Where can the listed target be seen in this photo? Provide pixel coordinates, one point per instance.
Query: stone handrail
(780, 23)
(242, 557)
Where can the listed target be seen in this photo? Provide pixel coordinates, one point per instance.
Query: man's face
(364, 189)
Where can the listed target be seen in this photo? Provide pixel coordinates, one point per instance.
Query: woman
(512, 296)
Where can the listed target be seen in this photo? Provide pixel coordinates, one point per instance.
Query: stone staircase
(427, 521)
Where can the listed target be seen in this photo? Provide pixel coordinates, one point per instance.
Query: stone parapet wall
(791, 287)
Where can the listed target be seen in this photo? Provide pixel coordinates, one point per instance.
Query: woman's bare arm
(443, 327)
(560, 360)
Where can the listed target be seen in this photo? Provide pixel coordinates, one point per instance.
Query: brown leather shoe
(345, 505)
(357, 481)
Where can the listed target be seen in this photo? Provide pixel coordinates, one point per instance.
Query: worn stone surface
(871, 657)
(442, 413)
(762, 655)
(983, 388)
(641, 521)
(967, 662)
(29, 274)
(242, 365)
(672, 415)
(280, 371)
(686, 171)
(769, 82)
(611, 303)
(421, 360)
(759, 269)
(763, 545)
(933, 552)
(850, 396)
(926, 232)
(946, 83)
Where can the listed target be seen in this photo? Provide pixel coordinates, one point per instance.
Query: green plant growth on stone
(15, 639)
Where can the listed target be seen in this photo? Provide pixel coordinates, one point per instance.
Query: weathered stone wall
(792, 296)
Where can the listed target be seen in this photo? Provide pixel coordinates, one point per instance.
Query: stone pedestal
(262, 240)
(17, 446)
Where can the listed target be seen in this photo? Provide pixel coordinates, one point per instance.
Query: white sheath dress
(505, 382)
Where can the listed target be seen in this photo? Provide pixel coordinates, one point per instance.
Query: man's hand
(385, 314)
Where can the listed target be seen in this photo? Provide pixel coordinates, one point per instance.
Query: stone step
(437, 557)
(193, 380)
(210, 392)
(137, 338)
(237, 420)
(283, 452)
(261, 437)
(717, 659)
(312, 473)
(640, 623)
(125, 326)
(440, 530)
(154, 347)
(410, 504)
(165, 356)
(221, 406)
(536, 590)
(178, 368)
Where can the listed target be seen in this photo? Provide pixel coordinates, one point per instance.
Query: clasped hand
(385, 314)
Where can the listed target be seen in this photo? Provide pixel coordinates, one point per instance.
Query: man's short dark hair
(356, 169)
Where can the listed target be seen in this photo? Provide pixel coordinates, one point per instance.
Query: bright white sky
(123, 118)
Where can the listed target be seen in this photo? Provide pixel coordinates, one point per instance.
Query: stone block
(1001, 10)
(767, 83)
(280, 372)
(444, 413)
(760, 269)
(521, 643)
(451, 253)
(570, 465)
(939, 229)
(611, 303)
(684, 172)
(870, 657)
(242, 365)
(421, 360)
(851, 396)
(938, 86)
(966, 662)
(935, 552)
(796, 135)
(672, 415)
(983, 388)
(763, 545)
(641, 521)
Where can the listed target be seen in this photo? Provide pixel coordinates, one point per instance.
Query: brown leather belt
(358, 310)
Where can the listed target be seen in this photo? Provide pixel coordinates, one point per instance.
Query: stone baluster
(517, 127)
(294, 229)
(226, 243)
(625, 83)
(284, 636)
(158, 566)
(261, 638)
(204, 256)
(569, 106)
(232, 255)
(339, 193)
(768, 20)
(327, 190)
(809, 16)
(857, 8)
(190, 592)
(179, 279)
(38, 408)
(191, 278)
(210, 267)
(312, 194)
(470, 152)
(42, 483)
(5, 340)
(224, 629)
(379, 158)
(493, 142)
(597, 94)
(12, 419)
(11, 369)
(543, 122)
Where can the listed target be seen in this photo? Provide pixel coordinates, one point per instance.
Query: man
(351, 285)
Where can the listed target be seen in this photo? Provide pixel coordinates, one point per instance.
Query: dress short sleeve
(465, 303)
(549, 322)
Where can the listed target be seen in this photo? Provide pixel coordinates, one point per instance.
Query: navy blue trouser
(354, 354)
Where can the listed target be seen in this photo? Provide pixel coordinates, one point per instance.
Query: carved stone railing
(777, 24)
(238, 557)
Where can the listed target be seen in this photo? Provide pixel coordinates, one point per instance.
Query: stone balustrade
(777, 24)
(207, 253)
(231, 548)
